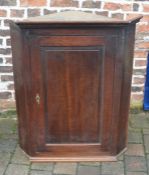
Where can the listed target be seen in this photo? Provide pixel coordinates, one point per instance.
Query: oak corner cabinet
(72, 74)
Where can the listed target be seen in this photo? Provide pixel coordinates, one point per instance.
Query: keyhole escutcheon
(37, 98)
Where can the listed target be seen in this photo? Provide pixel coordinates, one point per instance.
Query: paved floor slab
(7, 126)
(14, 169)
(146, 142)
(7, 145)
(113, 168)
(135, 163)
(135, 150)
(42, 166)
(90, 163)
(88, 170)
(140, 121)
(135, 137)
(38, 172)
(4, 160)
(136, 173)
(65, 168)
(20, 157)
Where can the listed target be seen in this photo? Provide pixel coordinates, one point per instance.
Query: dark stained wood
(126, 86)
(19, 85)
(72, 95)
(72, 85)
(71, 17)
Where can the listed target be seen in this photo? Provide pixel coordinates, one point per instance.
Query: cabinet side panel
(126, 86)
(16, 35)
(116, 92)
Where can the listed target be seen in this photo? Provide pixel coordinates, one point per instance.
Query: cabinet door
(72, 94)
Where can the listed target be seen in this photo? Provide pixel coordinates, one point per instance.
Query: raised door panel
(70, 78)
(71, 89)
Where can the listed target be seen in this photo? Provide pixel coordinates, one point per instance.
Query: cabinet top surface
(76, 17)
